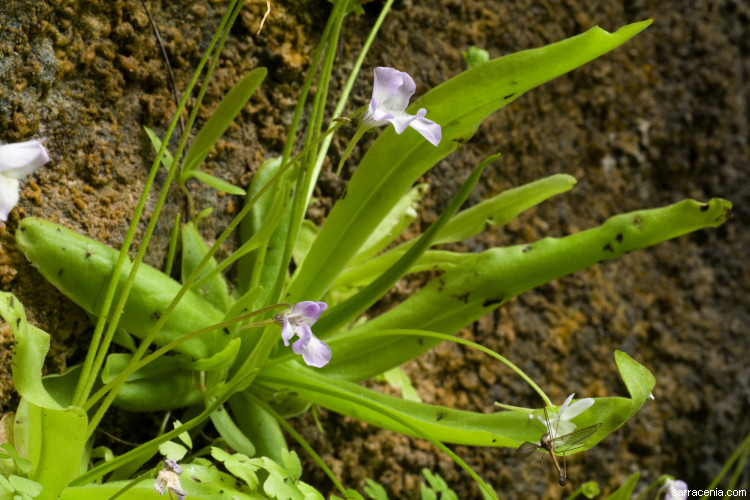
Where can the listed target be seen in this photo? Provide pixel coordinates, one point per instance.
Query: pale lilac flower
(675, 489)
(298, 321)
(16, 162)
(390, 97)
(560, 424)
(169, 479)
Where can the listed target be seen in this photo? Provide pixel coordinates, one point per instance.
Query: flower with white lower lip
(16, 162)
(298, 321)
(391, 92)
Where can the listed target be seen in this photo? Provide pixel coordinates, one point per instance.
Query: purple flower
(16, 162)
(675, 488)
(298, 321)
(390, 97)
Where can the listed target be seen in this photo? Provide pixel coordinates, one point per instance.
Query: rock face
(662, 118)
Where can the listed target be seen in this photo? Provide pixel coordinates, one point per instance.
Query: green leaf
(307, 233)
(462, 294)
(215, 182)
(398, 379)
(53, 441)
(350, 494)
(172, 451)
(395, 161)
(22, 464)
(49, 437)
(225, 113)
(166, 159)
(291, 463)
(399, 218)
(5, 484)
(502, 429)
(240, 466)
(220, 360)
(625, 491)
(375, 491)
(259, 426)
(32, 345)
(497, 210)
(503, 208)
(262, 267)
(26, 486)
(215, 289)
(162, 384)
(232, 434)
(80, 268)
(184, 437)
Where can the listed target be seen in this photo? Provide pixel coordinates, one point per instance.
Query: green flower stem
(345, 94)
(305, 90)
(88, 374)
(172, 250)
(357, 136)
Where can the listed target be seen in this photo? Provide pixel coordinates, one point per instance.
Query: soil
(660, 119)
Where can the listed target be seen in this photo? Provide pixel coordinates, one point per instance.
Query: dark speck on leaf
(619, 238)
(704, 207)
(637, 222)
(18, 322)
(156, 315)
(88, 253)
(226, 330)
(59, 230)
(420, 341)
(440, 416)
(491, 302)
(608, 248)
(195, 479)
(23, 228)
(12, 302)
(527, 248)
(509, 96)
(59, 273)
(463, 297)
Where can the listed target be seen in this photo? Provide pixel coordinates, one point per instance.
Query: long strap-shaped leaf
(485, 280)
(394, 161)
(448, 425)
